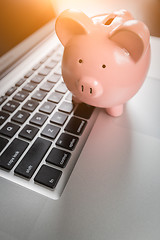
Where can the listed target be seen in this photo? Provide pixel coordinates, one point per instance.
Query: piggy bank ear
(71, 23)
(133, 36)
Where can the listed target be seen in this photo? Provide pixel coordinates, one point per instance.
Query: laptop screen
(20, 19)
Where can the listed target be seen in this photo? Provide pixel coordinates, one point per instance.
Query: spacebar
(33, 157)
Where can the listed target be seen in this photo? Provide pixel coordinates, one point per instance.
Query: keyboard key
(48, 176)
(58, 157)
(44, 59)
(38, 119)
(28, 132)
(51, 64)
(20, 117)
(50, 131)
(13, 152)
(29, 87)
(67, 141)
(55, 97)
(54, 78)
(61, 88)
(33, 157)
(58, 56)
(20, 82)
(84, 111)
(3, 143)
(44, 71)
(47, 86)
(47, 107)
(69, 97)
(10, 106)
(39, 95)
(37, 79)
(28, 74)
(51, 53)
(66, 107)
(9, 129)
(30, 105)
(20, 96)
(10, 91)
(59, 70)
(3, 117)
(59, 118)
(75, 126)
(36, 66)
(2, 99)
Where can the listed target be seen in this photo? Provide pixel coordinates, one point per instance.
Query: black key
(58, 57)
(39, 95)
(28, 132)
(37, 78)
(33, 157)
(36, 66)
(28, 74)
(20, 96)
(10, 106)
(9, 129)
(44, 59)
(47, 86)
(44, 71)
(58, 157)
(51, 64)
(75, 126)
(3, 117)
(2, 99)
(58, 70)
(69, 97)
(51, 53)
(47, 107)
(48, 176)
(10, 91)
(54, 78)
(83, 110)
(20, 82)
(13, 152)
(67, 141)
(3, 143)
(61, 88)
(66, 107)
(55, 97)
(38, 119)
(29, 87)
(50, 131)
(20, 117)
(59, 118)
(30, 105)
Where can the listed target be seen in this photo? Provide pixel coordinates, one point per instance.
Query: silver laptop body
(113, 190)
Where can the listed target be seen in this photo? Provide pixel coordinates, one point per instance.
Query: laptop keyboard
(42, 131)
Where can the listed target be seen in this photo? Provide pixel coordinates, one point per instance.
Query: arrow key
(28, 132)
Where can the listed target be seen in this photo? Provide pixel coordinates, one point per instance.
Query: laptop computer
(71, 171)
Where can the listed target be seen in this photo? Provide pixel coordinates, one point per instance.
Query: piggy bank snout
(89, 87)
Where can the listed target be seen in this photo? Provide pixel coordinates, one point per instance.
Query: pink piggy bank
(106, 58)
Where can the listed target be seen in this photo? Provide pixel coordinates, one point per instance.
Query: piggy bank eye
(103, 66)
(80, 61)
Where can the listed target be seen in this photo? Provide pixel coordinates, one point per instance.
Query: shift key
(33, 157)
(13, 152)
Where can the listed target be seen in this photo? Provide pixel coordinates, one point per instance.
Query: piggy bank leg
(115, 111)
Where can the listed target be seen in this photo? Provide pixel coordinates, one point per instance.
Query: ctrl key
(48, 176)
